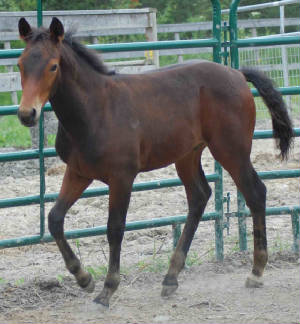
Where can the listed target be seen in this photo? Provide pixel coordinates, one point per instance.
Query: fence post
(180, 57)
(218, 169)
(295, 228)
(242, 222)
(219, 242)
(176, 229)
(151, 35)
(217, 31)
(10, 68)
(284, 54)
(39, 10)
(234, 54)
(41, 143)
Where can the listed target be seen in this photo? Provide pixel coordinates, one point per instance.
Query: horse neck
(71, 98)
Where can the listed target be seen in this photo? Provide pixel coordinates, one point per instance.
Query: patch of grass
(278, 245)
(20, 282)
(13, 134)
(97, 272)
(51, 139)
(193, 258)
(60, 278)
(156, 264)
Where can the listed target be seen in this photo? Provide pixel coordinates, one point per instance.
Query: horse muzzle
(29, 117)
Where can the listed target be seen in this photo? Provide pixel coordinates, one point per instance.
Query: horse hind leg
(198, 192)
(254, 192)
(237, 163)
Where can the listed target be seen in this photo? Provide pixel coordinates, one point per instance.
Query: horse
(113, 126)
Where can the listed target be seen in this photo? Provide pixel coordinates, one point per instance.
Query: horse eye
(53, 68)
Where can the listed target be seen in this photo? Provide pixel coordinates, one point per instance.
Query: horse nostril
(33, 113)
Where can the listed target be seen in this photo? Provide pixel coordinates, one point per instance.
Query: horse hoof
(254, 282)
(90, 286)
(168, 290)
(103, 302)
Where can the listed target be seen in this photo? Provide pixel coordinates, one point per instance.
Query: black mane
(82, 51)
(86, 54)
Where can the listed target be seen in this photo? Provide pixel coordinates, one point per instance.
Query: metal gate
(220, 49)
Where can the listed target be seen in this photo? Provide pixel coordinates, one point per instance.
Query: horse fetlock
(254, 281)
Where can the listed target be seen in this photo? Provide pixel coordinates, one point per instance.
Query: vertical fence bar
(295, 228)
(218, 169)
(233, 32)
(41, 143)
(217, 30)
(42, 174)
(234, 58)
(39, 7)
(176, 229)
(242, 221)
(219, 242)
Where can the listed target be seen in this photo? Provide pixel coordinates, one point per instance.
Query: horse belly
(165, 149)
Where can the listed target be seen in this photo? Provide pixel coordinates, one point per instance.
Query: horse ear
(24, 29)
(56, 30)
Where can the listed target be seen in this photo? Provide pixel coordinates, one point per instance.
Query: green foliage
(16, 5)
(170, 11)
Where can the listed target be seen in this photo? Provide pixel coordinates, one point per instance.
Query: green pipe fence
(242, 212)
(217, 177)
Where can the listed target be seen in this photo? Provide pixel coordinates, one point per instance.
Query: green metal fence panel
(242, 212)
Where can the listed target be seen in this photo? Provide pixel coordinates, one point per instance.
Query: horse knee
(56, 222)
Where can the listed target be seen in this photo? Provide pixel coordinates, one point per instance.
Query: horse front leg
(119, 197)
(72, 187)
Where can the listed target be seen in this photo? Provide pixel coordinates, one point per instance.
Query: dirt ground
(36, 288)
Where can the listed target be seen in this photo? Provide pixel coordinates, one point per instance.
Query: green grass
(13, 134)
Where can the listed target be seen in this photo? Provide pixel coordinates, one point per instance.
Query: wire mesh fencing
(282, 65)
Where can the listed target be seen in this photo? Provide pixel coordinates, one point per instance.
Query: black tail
(282, 125)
